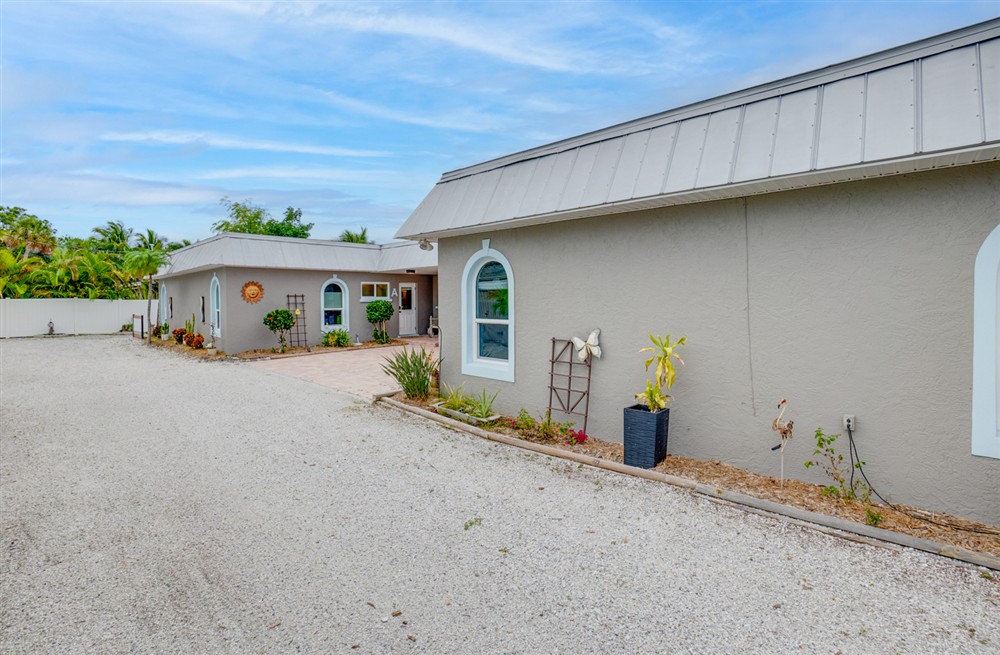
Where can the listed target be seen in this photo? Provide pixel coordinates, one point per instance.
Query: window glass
(491, 291)
(371, 290)
(493, 341)
(333, 305)
(405, 298)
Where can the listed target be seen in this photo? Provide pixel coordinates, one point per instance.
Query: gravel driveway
(152, 503)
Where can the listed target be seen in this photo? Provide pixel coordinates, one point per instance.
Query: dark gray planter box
(645, 436)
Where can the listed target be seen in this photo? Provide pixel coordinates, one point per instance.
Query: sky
(151, 112)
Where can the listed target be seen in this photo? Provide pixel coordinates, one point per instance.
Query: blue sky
(150, 112)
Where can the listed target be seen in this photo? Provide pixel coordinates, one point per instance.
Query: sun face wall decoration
(252, 292)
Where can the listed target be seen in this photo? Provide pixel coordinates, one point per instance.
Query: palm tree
(14, 273)
(34, 234)
(115, 239)
(98, 276)
(150, 240)
(355, 237)
(51, 282)
(146, 263)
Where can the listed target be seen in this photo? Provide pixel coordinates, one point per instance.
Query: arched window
(986, 349)
(488, 316)
(336, 308)
(215, 306)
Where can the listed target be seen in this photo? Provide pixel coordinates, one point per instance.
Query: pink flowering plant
(544, 430)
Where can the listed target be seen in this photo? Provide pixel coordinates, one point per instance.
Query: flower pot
(645, 436)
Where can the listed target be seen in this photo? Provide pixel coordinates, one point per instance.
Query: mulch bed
(302, 350)
(250, 355)
(913, 521)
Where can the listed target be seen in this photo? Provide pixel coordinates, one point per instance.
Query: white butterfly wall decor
(585, 349)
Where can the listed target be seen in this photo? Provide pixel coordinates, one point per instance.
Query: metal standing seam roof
(930, 104)
(261, 251)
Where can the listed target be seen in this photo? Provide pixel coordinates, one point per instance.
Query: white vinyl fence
(30, 317)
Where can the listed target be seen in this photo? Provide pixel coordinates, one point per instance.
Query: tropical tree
(244, 217)
(355, 237)
(14, 274)
(289, 226)
(150, 240)
(115, 239)
(19, 229)
(248, 218)
(98, 277)
(146, 263)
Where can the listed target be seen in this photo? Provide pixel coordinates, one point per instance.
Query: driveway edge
(833, 524)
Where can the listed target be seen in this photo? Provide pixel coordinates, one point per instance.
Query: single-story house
(229, 282)
(829, 238)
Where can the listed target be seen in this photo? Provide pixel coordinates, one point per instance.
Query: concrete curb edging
(833, 523)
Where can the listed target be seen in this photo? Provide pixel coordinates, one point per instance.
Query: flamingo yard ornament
(784, 430)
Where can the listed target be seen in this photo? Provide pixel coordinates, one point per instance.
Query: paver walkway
(355, 371)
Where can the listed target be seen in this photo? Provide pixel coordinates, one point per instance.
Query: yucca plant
(413, 371)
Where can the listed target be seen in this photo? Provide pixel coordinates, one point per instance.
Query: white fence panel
(28, 317)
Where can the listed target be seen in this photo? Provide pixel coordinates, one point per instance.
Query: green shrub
(280, 321)
(454, 397)
(377, 313)
(337, 338)
(481, 406)
(413, 371)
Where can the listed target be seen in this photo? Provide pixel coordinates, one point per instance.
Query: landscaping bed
(266, 353)
(263, 353)
(912, 521)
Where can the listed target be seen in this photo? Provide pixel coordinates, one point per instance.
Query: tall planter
(645, 436)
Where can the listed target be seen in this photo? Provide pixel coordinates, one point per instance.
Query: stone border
(828, 524)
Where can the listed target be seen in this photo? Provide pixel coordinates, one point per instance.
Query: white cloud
(467, 121)
(329, 175)
(234, 143)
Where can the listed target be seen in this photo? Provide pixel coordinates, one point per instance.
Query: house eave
(917, 163)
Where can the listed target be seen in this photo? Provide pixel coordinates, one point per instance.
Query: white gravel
(152, 503)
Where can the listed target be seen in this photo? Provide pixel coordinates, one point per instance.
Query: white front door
(407, 309)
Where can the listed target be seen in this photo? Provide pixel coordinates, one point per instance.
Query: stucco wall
(849, 299)
(242, 326)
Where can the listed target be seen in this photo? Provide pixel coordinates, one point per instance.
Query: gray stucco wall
(850, 299)
(242, 326)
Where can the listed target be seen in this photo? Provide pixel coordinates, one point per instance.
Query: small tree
(280, 321)
(378, 312)
(145, 263)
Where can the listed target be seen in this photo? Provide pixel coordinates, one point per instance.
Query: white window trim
(346, 309)
(387, 296)
(215, 306)
(985, 420)
(472, 364)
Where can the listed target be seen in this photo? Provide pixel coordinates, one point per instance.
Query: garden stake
(784, 430)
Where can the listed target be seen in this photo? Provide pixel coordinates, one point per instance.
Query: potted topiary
(646, 423)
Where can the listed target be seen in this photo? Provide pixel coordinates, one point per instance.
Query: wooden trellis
(297, 336)
(569, 381)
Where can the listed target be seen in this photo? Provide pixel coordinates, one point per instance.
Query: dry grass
(912, 521)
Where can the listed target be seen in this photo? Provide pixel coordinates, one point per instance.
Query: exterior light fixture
(426, 245)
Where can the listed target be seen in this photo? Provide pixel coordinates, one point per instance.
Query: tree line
(114, 261)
